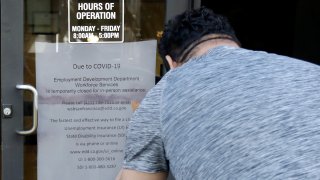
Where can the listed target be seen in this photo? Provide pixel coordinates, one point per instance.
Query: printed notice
(99, 21)
(87, 94)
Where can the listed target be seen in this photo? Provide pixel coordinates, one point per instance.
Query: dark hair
(188, 27)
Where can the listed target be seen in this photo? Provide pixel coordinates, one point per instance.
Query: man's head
(190, 29)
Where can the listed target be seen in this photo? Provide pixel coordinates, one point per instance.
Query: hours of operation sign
(96, 21)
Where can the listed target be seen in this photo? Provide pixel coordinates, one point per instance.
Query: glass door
(23, 25)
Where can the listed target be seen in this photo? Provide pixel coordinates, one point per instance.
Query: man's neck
(212, 42)
(203, 45)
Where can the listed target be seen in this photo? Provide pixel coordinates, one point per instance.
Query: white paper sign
(86, 96)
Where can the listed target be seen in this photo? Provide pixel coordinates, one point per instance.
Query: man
(224, 112)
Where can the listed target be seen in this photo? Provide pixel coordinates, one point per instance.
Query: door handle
(35, 109)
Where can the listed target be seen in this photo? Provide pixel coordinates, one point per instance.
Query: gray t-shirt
(230, 114)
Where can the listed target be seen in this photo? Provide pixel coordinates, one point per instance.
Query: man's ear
(171, 63)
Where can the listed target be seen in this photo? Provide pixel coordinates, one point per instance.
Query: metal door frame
(178, 6)
(12, 29)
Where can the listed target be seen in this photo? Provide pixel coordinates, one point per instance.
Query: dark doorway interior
(289, 28)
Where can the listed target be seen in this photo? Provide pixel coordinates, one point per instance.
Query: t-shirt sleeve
(144, 149)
